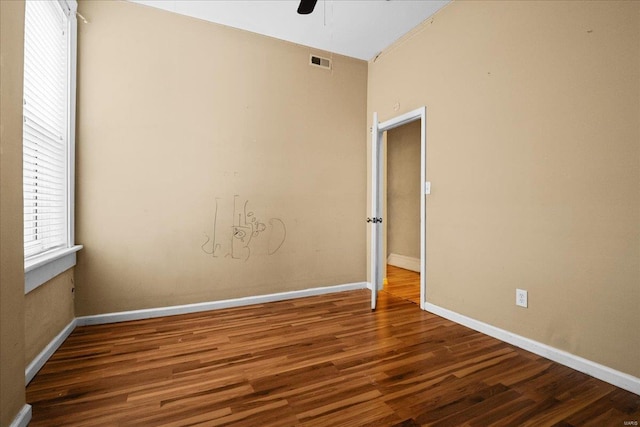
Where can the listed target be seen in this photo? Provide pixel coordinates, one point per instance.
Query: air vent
(320, 62)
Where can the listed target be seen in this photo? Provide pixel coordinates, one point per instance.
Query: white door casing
(377, 160)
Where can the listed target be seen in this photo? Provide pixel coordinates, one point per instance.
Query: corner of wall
(12, 405)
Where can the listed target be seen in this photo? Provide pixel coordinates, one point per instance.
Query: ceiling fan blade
(306, 6)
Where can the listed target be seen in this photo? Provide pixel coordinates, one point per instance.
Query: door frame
(377, 159)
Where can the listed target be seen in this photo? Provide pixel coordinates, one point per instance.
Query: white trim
(406, 262)
(48, 257)
(23, 418)
(417, 114)
(44, 266)
(124, 316)
(602, 372)
(69, 6)
(38, 362)
(401, 120)
(376, 211)
(41, 269)
(423, 207)
(72, 7)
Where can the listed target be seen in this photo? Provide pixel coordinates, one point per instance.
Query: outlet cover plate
(521, 298)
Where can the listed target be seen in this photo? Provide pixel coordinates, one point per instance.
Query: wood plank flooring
(403, 283)
(317, 361)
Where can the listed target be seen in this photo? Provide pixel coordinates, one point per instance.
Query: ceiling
(356, 28)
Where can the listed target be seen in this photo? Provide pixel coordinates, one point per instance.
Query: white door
(375, 220)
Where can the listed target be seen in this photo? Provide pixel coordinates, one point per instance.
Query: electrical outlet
(521, 298)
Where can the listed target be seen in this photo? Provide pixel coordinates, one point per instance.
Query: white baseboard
(39, 361)
(604, 373)
(23, 418)
(405, 262)
(124, 316)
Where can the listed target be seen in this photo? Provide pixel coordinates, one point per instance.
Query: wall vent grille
(318, 61)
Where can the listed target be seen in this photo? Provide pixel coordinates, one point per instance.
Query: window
(48, 139)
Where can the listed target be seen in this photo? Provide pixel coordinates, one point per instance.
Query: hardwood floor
(403, 283)
(317, 361)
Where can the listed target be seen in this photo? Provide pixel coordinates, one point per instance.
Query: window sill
(41, 269)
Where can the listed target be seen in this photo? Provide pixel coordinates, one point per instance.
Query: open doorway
(401, 209)
(378, 250)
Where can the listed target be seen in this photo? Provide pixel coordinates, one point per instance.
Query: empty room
(319, 213)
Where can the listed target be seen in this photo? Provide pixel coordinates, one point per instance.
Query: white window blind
(46, 127)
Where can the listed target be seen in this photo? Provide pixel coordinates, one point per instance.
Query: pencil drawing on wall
(238, 233)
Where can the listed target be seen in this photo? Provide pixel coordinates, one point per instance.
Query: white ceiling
(356, 28)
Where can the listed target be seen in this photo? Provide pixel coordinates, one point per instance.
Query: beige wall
(48, 310)
(12, 396)
(403, 190)
(177, 118)
(533, 151)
